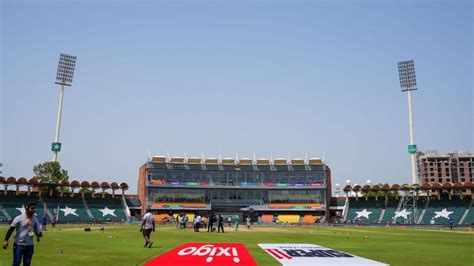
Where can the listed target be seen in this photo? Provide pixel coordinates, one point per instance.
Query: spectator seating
(310, 218)
(469, 220)
(100, 206)
(71, 209)
(289, 218)
(453, 209)
(267, 218)
(13, 204)
(373, 209)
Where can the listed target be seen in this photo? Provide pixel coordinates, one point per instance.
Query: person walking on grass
(44, 221)
(247, 220)
(148, 225)
(53, 221)
(237, 222)
(220, 226)
(27, 226)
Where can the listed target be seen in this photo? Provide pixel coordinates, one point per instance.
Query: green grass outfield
(123, 245)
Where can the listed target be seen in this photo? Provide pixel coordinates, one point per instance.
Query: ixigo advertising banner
(197, 254)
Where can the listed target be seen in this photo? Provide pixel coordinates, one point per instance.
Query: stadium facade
(260, 188)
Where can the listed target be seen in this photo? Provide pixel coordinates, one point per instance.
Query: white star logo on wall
(106, 211)
(363, 213)
(68, 211)
(404, 213)
(22, 209)
(444, 213)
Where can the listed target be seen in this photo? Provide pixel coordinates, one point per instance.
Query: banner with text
(197, 254)
(309, 254)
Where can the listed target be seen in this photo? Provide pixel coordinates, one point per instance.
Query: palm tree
(458, 189)
(123, 187)
(437, 188)
(416, 188)
(469, 186)
(356, 189)
(62, 185)
(2, 181)
(406, 189)
(84, 186)
(386, 189)
(347, 189)
(427, 188)
(104, 186)
(10, 181)
(114, 187)
(94, 185)
(395, 188)
(448, 187)
(365, 190)
(74, 184)
(376, 189)
(33, 182)
(20, 182)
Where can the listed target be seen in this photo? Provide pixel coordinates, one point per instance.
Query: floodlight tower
(64, 77)
(406, 71)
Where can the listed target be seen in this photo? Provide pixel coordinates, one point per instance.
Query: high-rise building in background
(435, 167)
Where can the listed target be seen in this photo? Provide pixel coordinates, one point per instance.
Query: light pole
(406, 71)
(64, 77)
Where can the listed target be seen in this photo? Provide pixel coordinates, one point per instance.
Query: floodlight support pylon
(58, 122)
(412, 141)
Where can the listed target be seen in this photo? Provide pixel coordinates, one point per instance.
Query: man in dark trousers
(27, 226)
(148, 225)
(210, 223)
(220, 226)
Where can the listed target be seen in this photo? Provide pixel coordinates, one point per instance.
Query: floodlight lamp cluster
(66, 67)
(406, 71)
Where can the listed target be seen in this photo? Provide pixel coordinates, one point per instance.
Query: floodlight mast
(64, 77)
(406, 70)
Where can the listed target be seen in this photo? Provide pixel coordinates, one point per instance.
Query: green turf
(123, 245)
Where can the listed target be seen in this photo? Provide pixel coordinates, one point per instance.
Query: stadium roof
(230, 162)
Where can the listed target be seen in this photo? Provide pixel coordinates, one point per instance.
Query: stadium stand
(133, 203)
(390, 209)
(13, 204)
(71, 209)
(267, 218)
(310, 218)
(98, 209)
(438, 210)
(371, 208)
(288, 218)
(469, 219)
(163, 217)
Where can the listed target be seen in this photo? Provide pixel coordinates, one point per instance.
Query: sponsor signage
(199, 254)
(412, 148)
(309, 254)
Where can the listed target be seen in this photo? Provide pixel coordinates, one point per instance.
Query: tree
(50, 173)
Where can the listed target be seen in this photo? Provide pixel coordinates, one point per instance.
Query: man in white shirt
(148, 225)
(27, 226)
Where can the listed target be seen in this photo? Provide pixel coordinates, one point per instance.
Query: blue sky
(306, 77)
